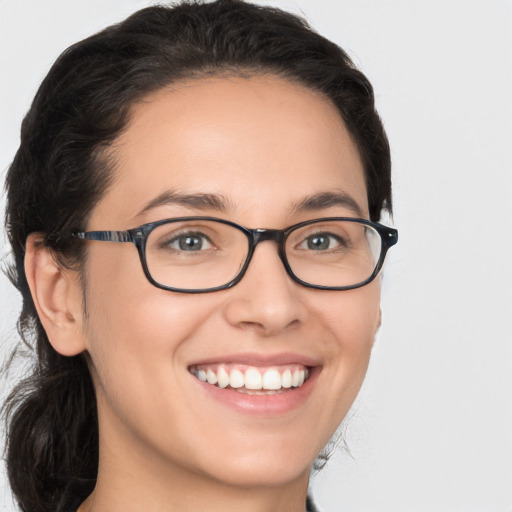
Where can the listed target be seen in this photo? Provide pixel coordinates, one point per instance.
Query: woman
(193, 213)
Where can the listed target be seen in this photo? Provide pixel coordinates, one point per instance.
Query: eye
(322, 242)
(189, 242)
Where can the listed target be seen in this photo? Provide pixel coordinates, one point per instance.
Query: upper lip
(258, 359)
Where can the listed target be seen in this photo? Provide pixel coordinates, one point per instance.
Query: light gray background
(432, 429)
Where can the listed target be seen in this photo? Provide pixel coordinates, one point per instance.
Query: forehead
(261, 143)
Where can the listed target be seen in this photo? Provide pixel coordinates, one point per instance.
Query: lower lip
(262, 405)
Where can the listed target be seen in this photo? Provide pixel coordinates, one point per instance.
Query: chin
(261, 464)
(268, 473)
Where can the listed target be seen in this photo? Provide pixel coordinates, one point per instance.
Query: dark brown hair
(60, 172)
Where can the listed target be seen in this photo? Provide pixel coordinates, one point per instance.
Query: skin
(263, 144)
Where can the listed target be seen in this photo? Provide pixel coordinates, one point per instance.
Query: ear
(57, 295)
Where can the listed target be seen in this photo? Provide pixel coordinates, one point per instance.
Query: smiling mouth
(252, 380)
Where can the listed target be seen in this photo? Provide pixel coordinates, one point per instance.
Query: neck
(139, 478)
(191, 494)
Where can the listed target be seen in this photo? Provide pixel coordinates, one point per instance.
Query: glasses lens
(333, 253)
(195, 254)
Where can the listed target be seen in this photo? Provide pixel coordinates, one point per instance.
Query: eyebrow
(197, 201)
(218, 203)
(324, 200)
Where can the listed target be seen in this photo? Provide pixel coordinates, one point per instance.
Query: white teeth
(222, 378)
(254, 378)
(286, 379)
(236, 379)
(271, 380)
(211, 377)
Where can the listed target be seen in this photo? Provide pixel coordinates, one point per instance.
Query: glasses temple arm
(105, 236)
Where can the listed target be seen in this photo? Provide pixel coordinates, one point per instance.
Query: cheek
(125, 305)
(352, 320)
(134, 329)
(353, 317)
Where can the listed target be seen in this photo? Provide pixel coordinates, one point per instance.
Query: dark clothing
(310, 505)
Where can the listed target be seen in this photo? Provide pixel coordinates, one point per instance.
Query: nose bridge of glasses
(262, 235)
(269, 235)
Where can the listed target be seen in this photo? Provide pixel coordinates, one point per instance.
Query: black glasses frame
(139, 236)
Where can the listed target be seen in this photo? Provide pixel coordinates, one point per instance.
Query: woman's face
(260, 146)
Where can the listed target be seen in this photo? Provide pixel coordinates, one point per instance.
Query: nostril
(252, 326)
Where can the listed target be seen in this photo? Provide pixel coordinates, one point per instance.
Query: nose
(266, 300)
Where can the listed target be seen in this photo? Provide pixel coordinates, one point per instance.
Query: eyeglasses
(206, 254)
